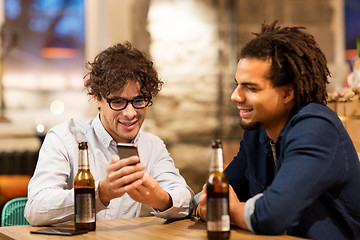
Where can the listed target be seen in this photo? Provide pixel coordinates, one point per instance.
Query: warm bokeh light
(40, 128)
(57, 107)
(59, 53)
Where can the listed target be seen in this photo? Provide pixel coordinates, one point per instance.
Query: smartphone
(126, 150)
(59, 231)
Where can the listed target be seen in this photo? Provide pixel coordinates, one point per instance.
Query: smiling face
(259, 103)
(122, 125)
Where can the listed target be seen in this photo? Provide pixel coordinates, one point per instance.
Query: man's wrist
(165, 204)
(102, 194)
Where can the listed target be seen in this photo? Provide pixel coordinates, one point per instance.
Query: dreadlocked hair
(296, 59)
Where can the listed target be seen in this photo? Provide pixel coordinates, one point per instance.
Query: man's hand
(236, 208)
(201, 209)
(121, 177)
(150, 193)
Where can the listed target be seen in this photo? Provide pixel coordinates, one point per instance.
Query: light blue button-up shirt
(50, 191)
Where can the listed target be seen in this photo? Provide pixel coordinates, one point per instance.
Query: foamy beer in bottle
(84, 193)
(218, 217)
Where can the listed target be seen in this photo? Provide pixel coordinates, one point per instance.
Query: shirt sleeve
(249, 210)
(162, 168)
(50, 197)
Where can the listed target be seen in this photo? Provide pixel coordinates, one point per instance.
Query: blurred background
(194, 44)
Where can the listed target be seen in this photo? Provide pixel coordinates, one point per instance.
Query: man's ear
(289, 94)
(96, 101)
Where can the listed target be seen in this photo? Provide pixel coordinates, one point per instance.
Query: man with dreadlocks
(297, 171)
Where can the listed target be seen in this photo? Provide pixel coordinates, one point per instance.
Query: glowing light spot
(40, 128)
(57, 107)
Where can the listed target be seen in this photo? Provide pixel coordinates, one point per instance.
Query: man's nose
(129, 111)
(237, 96)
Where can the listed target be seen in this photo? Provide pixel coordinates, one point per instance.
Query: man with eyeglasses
(122, 83)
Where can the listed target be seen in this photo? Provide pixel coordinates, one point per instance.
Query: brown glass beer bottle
(218, 217)
(84, 193)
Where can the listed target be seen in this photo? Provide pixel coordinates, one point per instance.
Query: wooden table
(136, 228)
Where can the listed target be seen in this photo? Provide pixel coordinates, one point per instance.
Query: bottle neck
(216, 164)
(83, 159)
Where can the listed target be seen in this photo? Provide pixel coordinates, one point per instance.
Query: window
(43, 52)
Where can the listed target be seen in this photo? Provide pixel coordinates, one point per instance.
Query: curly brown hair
(296, 59)
(117, 65)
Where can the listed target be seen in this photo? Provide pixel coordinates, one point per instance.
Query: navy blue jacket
(314, 189)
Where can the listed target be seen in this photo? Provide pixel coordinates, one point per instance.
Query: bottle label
(218, 218)
(85, 208)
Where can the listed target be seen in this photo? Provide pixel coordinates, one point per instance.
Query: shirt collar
(264, 139)
(103, 136)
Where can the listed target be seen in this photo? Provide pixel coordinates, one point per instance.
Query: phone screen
(126, 150)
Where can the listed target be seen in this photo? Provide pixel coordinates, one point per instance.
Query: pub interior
(194, 45)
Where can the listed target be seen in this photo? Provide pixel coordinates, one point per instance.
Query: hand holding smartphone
(126, 150)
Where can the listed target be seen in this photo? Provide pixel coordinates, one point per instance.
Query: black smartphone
(126, 150)
(59, 231)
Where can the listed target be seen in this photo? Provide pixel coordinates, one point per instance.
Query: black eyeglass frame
(148, 104)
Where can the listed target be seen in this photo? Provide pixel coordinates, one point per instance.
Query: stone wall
(188, 113)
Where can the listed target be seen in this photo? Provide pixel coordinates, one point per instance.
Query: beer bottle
(218, 217)
(84, 193)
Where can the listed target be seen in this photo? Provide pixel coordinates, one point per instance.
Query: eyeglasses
(119, 104)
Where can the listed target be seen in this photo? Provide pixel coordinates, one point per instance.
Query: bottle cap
(83, 145)
(216, 143)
